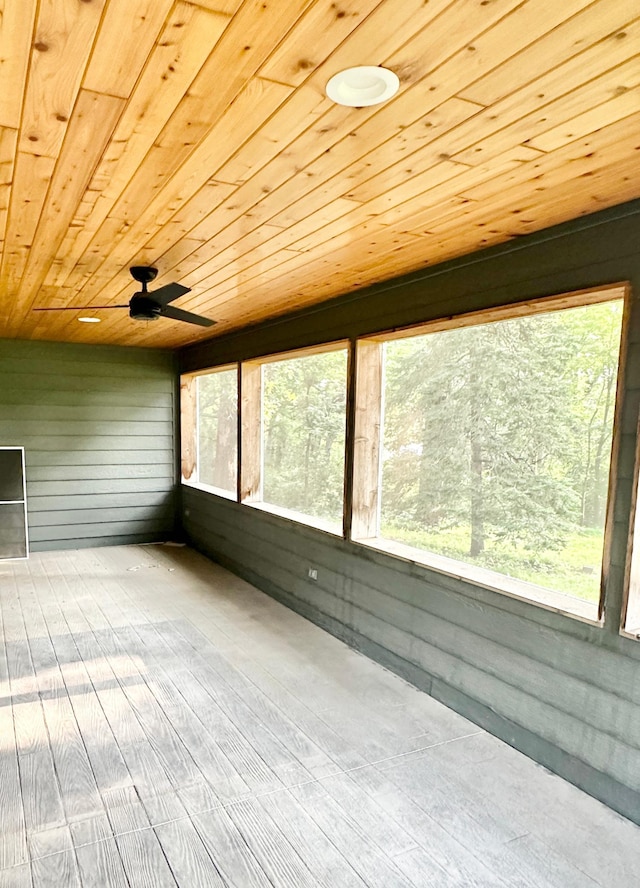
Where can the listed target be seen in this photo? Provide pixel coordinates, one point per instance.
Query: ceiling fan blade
(80, 307)
(167, 294)
(177, 314)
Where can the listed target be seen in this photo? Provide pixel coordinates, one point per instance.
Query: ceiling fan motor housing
(143, 308)
(143, 274)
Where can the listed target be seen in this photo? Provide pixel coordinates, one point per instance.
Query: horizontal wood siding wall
(98, 428)
(564, 692)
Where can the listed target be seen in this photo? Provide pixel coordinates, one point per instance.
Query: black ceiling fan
(146, 306)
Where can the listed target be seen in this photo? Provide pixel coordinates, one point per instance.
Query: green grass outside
(574, 570)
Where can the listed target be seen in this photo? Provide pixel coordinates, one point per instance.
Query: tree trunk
(224, 462)
(595, 499)
(477, 503)
(307, 450)
(422, 508)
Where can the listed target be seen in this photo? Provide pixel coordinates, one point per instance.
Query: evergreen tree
(503, 428)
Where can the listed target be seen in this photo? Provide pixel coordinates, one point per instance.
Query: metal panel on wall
(14, 537)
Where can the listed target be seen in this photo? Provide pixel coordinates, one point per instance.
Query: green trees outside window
(218, 429)
(497, 441)
(484, 439)
(303, 416)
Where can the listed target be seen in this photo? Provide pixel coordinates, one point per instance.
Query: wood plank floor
(163, 723)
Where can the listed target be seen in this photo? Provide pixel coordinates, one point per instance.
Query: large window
(480, 446)
(495, 449)
(302, 417)
(213, 400)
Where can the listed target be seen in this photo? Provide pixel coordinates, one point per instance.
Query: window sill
(298, 517)
(631, 628)
(208, 488)
(558, 602)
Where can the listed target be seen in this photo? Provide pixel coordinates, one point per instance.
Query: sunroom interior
(322, 565)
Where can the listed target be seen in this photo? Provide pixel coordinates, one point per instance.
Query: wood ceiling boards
(197, 137)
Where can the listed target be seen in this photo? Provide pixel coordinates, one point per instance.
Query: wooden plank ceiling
(197, 137)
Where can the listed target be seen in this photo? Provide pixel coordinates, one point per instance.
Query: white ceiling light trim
(90, 320)
(364, 85)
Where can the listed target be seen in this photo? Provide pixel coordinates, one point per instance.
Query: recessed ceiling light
(365, 85)
(90, 320)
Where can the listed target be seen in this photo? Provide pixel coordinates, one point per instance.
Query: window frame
(632, 564)
(190, 431)
(363, 433)
(252, 435)
(367, 436)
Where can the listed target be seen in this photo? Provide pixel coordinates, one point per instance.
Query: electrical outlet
(312, 573)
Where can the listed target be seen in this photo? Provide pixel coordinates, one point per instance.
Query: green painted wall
(98, 427)
(565, 693)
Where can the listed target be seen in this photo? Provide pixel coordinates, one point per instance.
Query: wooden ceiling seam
(41, 40)
(152, 4)
(210, 127)
(195, 135)
(126, 138)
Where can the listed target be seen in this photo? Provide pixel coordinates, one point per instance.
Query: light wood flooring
(163, 723)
